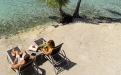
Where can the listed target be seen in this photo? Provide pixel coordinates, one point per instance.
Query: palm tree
(76, 12)
(56, 4)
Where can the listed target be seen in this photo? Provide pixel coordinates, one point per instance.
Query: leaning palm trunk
(61, 11)
(76, 12)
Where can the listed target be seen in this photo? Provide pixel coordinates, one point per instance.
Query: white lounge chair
(22, 68)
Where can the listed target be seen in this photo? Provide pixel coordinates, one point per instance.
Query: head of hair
(26, 57)
(51, 43)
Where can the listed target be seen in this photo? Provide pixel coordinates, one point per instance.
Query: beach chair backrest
(9, 53)
(56, 49)
(26, 65)
(39, 41)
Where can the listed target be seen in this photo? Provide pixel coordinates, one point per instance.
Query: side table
(32, 50)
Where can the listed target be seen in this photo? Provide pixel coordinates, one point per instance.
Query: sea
(18, 15)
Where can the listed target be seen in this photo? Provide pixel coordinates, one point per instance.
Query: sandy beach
(94, 49)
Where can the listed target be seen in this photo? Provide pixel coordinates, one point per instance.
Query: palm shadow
(53, 18)
(103, 19)
(114, 12)
(99, 19)
(94, 20)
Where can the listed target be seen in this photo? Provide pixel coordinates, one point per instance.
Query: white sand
(96, 49)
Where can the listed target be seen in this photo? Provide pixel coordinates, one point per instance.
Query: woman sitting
(47, 47)
(19, 61)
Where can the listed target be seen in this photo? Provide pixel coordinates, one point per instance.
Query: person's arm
(44, 42)
(32, 57)
(15, 65)
(46, 51)
(22, 52)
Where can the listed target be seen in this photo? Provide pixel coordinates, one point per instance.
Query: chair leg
(36, 71)
(41, 56)
(36, 68)
(18, 73)
(68, 62)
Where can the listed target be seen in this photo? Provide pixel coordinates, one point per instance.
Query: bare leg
(22, 52)
(13, 52)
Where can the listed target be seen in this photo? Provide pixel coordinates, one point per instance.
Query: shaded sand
(95, 49)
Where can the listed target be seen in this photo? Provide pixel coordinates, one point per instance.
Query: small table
(32, 50)
(33, 47)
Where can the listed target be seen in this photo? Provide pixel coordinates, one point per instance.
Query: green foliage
(55, 3)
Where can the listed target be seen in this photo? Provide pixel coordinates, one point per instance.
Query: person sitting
(19, 61)
(47, 47)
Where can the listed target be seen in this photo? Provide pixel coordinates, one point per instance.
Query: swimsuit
(20, 58)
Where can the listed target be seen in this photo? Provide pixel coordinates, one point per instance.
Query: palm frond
(55, 3)
(40, 0)
(52, 3)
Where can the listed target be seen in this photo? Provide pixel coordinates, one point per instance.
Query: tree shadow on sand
(94, 20)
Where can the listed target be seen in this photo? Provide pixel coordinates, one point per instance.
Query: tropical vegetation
(59, 4)
(56, 4)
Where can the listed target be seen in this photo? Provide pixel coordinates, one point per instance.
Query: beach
(22, 15)
(93, 43)
(93, 49)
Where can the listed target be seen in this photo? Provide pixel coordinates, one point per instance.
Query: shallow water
(16, 15)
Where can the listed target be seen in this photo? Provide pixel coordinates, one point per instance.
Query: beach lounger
(40, 41)
(57, 57)
(22, 68)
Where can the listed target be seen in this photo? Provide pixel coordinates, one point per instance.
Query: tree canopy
(55, 3)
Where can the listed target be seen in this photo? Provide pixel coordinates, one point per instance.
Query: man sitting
(19, 61)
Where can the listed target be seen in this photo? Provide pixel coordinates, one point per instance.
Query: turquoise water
(99, 7)
(16, 15)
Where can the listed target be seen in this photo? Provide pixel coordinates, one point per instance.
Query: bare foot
(12, 52)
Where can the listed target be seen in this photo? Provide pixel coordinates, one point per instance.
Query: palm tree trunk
(61, 11)
(76, 12)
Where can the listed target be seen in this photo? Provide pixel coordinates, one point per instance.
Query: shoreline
(36, 32)
(40, 28)
(25, 30)
(11, 30)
